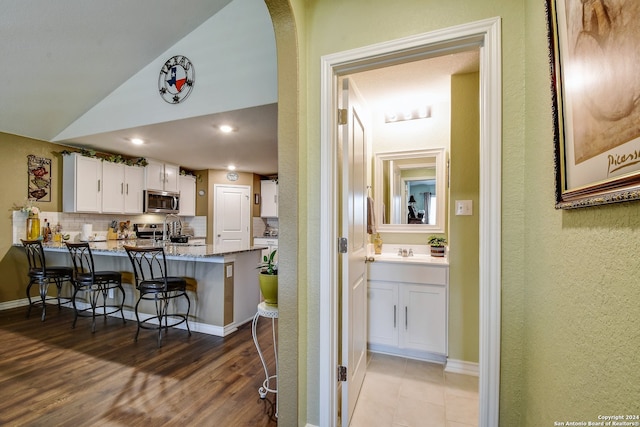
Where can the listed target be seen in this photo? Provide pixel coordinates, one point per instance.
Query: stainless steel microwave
(161, 202)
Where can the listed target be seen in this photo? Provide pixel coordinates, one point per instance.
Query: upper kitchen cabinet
(81, 183)
(133, 189)
(122, 188)
(187, 195)
(161, 176)
(269, 196)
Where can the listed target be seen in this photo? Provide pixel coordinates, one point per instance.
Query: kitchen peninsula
(223, 287)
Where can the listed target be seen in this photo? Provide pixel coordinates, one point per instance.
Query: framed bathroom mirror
(410, 191)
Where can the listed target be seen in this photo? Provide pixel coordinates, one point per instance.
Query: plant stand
(270, 383)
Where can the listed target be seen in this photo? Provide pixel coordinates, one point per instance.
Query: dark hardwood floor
(53, 375)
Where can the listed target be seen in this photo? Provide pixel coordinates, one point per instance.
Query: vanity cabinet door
(424, 321)
(383, 313)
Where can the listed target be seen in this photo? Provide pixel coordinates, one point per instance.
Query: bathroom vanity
(408, 305)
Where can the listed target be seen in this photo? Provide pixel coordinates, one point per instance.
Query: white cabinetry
(93, 185)
(113, 187)
(408, 309)
(187, 195)
(269, 197)
(122, 188)
(270, 243)
(161, 176)
(81, 183)
(133, 189)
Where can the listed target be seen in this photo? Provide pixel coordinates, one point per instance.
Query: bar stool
(44, 275)
(270, 383)
(96, 283)
(150, 269)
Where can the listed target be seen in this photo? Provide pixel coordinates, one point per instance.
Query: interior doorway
(484, 35)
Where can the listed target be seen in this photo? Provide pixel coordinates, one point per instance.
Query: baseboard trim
(462, 367)
(219, 331)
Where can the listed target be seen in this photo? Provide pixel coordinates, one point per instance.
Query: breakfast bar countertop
(192, 251)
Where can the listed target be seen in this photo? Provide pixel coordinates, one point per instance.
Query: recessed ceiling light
(231, 167)
(137, 141)
(225, 128)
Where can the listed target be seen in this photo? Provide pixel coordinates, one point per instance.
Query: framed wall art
(594, 64)
(39, 175)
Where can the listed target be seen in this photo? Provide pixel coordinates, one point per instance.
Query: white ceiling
(63, 57)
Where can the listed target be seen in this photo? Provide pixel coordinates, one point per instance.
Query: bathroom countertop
(414, 259)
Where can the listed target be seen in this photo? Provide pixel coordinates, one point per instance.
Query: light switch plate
(464, 207)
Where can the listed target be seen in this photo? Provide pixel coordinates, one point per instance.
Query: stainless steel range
(149, 231)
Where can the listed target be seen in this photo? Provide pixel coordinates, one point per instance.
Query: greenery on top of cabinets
(113, 158)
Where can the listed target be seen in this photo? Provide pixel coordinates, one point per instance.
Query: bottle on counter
(46, 235)
(57, 233)
(377, 244)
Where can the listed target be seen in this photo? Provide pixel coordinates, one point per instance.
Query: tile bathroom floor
(400, 392)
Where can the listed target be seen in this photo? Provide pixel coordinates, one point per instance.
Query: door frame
(485, 34)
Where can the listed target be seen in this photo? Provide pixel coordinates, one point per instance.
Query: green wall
(581, 324)
(464, 173)
(569, 315)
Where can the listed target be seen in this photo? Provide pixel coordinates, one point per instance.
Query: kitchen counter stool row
(151, 281)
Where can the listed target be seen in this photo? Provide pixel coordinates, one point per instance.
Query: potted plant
(269, 278)
(437, 244)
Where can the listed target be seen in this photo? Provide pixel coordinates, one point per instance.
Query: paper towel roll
(87, 231)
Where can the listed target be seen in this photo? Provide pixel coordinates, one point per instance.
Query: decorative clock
(232, 176)
(176, 79)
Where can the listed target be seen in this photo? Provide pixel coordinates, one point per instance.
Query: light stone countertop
(194, 250)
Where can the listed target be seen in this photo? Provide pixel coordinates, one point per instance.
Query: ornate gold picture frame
(594, 64)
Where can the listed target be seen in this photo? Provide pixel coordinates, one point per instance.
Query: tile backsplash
(71, 223)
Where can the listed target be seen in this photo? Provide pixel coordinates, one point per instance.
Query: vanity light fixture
(137, 141)
(399, 116)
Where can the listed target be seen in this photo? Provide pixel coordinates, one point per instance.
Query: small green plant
(268, 265)
(437, 241)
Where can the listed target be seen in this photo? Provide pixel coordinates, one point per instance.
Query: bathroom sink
(414, 259)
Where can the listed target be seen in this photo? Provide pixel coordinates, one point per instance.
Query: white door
(352, 138)
(231, 214)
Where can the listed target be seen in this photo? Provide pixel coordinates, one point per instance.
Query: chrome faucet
(165, 234)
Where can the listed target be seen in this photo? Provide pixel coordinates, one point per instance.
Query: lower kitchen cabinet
(270, 243)
(408, 318)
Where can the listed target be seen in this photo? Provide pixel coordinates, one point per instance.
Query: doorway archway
(288, 207)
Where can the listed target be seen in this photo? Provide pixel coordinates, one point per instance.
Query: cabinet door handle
(121, 188)
(406, 317)
(395, 316)
(98, 186)
(127, 189)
